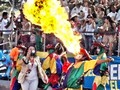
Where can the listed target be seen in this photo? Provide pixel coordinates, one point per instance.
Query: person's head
(19, 43)
(74, 17)
(108, 19)
(97, 34)
(89, 18)
(82, 22)
(59, 48)
(82, 55)
(5, 15)
(113, 9)
(78, 4)
(86, 3)
(22, 50)
(31, 51)
(99, 8)
(78, 57)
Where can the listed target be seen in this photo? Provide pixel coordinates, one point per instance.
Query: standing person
(32, 62)
(109, 36)
(26, 26)
(90, 28)
(4, 26)
(75, 72)
(15, 54)
(53, 62)
(39, 40)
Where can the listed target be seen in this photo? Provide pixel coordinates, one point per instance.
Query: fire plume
(53, 19)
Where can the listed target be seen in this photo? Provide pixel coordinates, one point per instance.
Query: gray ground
(4, 84)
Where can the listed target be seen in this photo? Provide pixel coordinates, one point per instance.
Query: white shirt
(12, 26)
(33, 73)
(112, 15)
(3, 24)
(118, 16)
(76, 10)
(89, 28)
(85, 10)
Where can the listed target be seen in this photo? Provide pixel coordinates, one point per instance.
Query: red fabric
(54, 79)
(94, 86)
(83, 51)
(12, 83)
(65, 67)
(96, 44)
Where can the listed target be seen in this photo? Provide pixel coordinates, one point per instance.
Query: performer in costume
(15, 54)
(67, 64)
(101, 71)
(77, 70)
(54, 63)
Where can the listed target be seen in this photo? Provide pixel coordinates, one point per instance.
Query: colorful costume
(15, 55)
(53, 62)
(14, 85)
(100, 71)
(75, 72)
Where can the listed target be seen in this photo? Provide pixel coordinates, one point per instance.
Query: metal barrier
(16, 35)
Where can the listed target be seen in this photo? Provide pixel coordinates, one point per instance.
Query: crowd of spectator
(95, 20)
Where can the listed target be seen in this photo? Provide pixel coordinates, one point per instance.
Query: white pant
(30, 85)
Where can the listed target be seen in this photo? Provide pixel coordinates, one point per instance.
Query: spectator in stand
(33, 38)
(109, 36)
(113, 13)
(82, 30)
(118, 16)
(39, 40)
(86, 8)
(19, 20)
(76, 20)
(90, 27)
(26, 26)
(78, 7)
(65, 5)
(5, 27)
(100, 14)
(96, 39)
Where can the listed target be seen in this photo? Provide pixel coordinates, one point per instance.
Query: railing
(16, 38)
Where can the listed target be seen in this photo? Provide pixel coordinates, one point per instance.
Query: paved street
(4, 84)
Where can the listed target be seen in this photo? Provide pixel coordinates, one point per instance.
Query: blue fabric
(16, 86)
(59, 66)
(90, 79)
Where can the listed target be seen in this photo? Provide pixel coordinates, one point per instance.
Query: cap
(74, 15)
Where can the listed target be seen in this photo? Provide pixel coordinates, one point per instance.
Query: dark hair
(31, 52)
(89, 16)
(19, 42)
(109, 19)
(4, 14)
(59, 48)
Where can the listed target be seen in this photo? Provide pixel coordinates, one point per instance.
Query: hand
(110, 59)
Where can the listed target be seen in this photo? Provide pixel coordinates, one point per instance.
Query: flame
(53, 19)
